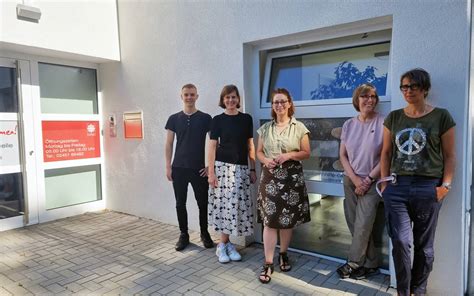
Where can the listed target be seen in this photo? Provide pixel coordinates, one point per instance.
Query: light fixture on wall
(28, 13)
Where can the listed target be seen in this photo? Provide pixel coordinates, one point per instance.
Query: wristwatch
(446, 185)
(372, 180)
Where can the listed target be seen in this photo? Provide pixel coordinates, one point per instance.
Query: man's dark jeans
(181, 178)
(412, 200)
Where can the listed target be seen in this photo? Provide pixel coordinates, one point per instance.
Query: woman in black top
(231, 148)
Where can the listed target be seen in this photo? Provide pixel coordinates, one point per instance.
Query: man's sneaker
(207, 240)
(221, 252)
(232, 252)
(363, 272)
(183, 241)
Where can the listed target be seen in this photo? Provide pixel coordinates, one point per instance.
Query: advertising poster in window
(70, 140)
(9, 149)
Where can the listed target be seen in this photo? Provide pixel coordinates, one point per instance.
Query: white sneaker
(232, 252)
(221, 252)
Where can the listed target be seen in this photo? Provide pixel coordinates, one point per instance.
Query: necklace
(281, 127)
(412, 114)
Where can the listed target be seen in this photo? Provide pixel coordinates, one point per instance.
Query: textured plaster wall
(75, 27)
(165, 44)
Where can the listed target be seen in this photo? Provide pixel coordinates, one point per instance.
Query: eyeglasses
(413, 86)
(366, 97)
(280, 102)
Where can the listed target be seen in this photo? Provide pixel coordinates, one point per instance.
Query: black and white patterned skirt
(282, 196)
(230, 203)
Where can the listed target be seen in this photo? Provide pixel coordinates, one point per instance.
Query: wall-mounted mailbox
(133, 125)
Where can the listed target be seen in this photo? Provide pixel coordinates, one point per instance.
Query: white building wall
(166, 44)
(74, 29)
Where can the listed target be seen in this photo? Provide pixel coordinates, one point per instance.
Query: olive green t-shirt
(416, 142)
(275, 143)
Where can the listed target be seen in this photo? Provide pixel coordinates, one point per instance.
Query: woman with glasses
(361, 144)
(282, 197)
(231, 149)
(418, 146)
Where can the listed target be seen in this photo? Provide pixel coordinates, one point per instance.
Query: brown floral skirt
(282, 200)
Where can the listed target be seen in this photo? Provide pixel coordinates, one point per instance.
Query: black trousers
(181, 178)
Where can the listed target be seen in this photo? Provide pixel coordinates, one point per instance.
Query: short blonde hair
(189, 85)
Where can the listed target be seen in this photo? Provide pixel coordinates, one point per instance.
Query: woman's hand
(269, 163)
(367, 182)
(357, 181)
(253, 177)
(203, 172)
(365, 185)
(360, 191)
(280, 159)
(212, 180)
(362, 185)
(441, 193)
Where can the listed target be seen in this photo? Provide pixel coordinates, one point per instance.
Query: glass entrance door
(15, 164)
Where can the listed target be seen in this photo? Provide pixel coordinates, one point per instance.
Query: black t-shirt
(190, 133)
(232, 133)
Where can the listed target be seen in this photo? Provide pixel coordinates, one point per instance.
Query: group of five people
(412, 147)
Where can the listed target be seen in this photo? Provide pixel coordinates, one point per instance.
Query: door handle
(31, 152)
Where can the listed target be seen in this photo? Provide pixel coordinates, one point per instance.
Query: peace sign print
(410, 141)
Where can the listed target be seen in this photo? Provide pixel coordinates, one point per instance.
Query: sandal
(264, 277)
(284, 262)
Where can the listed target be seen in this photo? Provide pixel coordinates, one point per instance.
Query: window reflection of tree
(347, 78)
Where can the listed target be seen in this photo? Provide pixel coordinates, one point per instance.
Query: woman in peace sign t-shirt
(418, 146)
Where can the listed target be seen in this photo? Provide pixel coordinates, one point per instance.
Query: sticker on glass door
(70, 140)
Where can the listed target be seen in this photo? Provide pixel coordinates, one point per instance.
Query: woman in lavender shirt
(361, 144)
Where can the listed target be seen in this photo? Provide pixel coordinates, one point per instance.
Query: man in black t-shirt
(190, 127)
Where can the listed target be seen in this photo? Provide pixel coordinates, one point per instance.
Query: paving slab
(111, 253)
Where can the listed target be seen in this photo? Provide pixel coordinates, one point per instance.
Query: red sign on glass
(69, 140)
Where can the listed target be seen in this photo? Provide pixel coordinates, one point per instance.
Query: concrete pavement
(110, 253)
